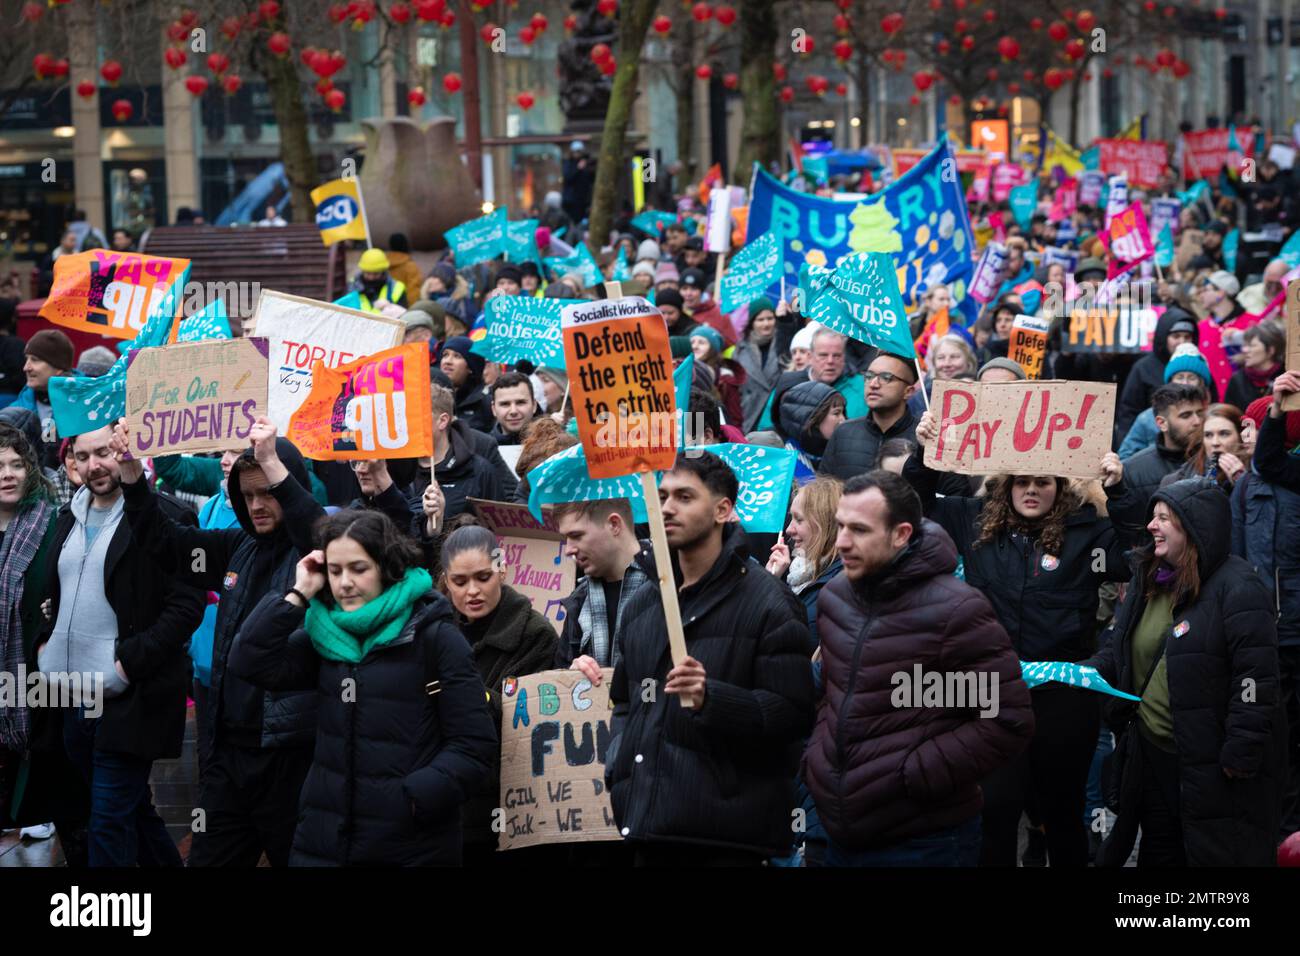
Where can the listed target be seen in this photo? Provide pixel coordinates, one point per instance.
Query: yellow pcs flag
(1133, 130)
(340, 213)
(1061, 153)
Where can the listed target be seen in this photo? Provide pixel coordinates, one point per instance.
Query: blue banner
(859, 299)
(751, 272)
(1024, 200)
(921, 219)
(523, 328)
(479, 239)
(1165, 248)
(622, 271)
(1076, 675)
(210, 323)
(1290, 251)
(652, 220)
(1231, 242)
(765, 475)
(521, 242)
(581, 263)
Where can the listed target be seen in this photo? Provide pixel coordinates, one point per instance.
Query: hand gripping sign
(1025, 428)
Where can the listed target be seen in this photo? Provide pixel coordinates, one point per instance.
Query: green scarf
(340, 635)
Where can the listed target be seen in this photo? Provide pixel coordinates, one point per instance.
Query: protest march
(922, 503)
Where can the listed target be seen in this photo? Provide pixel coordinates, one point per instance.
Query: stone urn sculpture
(414, 181)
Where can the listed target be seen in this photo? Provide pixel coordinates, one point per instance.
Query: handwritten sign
(197, 396)
(1091, 183)
(1291, 403)
(532, 554)
(1028, 344)
(554, 738)
(1024, 428)
(378, 406)
(113, 293)
(1143, 162)
(303, 332)
(1115, 329)
(621, 380)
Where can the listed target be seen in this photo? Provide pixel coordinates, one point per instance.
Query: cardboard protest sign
(479, 239)
(1028, 344)
(196, 396)
(113, 293)
(752, 271)
(532, 554)
(1143, 162)
(1024, 428)
(302, 332)
(1292, 319)
(1127, 239)
(986, 281)
(1114, 328)
(523, 328)
(378, 406)
(621, 382)
(554, 737)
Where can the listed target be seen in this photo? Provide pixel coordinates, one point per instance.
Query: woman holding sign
(404, 736)
(1039, 553)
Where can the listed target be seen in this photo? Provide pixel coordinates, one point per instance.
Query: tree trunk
(760, 130)
(281, 77)
(683, 84)
(1075, 89)
(633, 24)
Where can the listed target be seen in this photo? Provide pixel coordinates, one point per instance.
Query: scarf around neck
(348, 636)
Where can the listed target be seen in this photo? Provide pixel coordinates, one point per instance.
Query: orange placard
(378, 406)
(621, 380)
(112, 293)
(1028, 344)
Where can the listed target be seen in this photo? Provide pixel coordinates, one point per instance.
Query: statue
(414, 181)
(584, 90)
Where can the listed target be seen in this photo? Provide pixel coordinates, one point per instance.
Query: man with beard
(120, 615)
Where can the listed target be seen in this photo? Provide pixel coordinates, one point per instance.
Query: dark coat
(518, 642)
(242, 566)
(722, 775)
(881, 774)
(393, 764)
(391, 502)
(854, 448)
(473, 406)
(462, 475)
(1241, 391)
(1046, 603)
(156, 611)
(1148, 373)
(808, 598)
(1228, 643)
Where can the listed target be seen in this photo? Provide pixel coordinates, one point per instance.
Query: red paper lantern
(787, 94)
(842, 24)
(527, 35)
(1107, 74)
(335, 99)
(1036, 24)
(841, 89)
(111, 71)
(726, 16)
(891, 23)
(1149, 6)
(400, 12)
(570, 23)
(525, 101)
(609, 67)
(451, 83)
(990, 15)
(1013, 88)
(1085, 21)
(177, 32)
(702, 12)
(218, 63)
(842, 49)
(122, 110)
(730, 80)
(231, 82)
(914, 99)
(606, 8)
(446, 19)
(1029, 76)
(230, 27)
(86, 89)
(362, 13)
(779, 72)
(269, 10)
(922, 80)
(1181, 68)
(1220, 13)
(338, 12)
(174, 57)
(960, 25)
(539, 22)
(1053, 78)
(704, 71)
(600, 53)
(488, 32)
(1075, 49)
(807, 45)
(662, 24)
(1002, 110)
(59, 67)
(279, 43)
(968, 43)
(32, 12)
(991, 74)
(900, 57)
(943, 46)
(324, 86)
(954, 100)
(1058, 31)
(416, 97)
(1008, 48)
(1165, 58)
(197, 85)
(888, 55)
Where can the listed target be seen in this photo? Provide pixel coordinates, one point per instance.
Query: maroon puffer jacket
(880, 773)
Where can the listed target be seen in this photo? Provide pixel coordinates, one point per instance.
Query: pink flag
(1128, 240)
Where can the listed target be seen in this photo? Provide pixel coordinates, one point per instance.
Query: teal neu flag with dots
(1076, 675)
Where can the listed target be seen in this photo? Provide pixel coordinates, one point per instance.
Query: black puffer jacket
(722, 775)
(241, 566)
(881, 773)
(1148, 373)
(393, 764)
(854, 447)
(1221, 658)
(462, 475)
(795, 407)
(1047, 603)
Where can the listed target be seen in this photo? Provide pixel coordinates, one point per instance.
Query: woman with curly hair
(1039, 554)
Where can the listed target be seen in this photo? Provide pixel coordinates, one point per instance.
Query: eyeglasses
(361, 465)
(888, 378)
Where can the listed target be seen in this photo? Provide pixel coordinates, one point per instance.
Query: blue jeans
(125, 828)
(1105, 747)
(955, 846)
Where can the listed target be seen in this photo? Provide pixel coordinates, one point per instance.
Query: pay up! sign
(621, 379)
(199, 396)
(554, 735)
(1025, 428)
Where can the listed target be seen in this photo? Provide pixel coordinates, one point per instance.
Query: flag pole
(365, 220)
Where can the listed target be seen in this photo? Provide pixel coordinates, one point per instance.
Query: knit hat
(1218, 226)
(649, 249)
(556, 376)
(803, 338)
(669, 297)
(96, 361)
(1004, 363)
(667, 272)
(417, 319)
(1188, 358)
(711, 335)
(644, 269)
(529, 269)
(761, 305)
(694, 278)
(542, 237)
(373, 260)
(446, 272)
(460, 344)
(1225, 281)
(510, 272)
(1090, 265)
(53, 348)
(680, 346)
(1257, 411)
(436, 312)
(27, 422)
(398, 242)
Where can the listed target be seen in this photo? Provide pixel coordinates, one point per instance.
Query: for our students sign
(199, 396)
(554, 736)
(621, 379)
(1024, 428)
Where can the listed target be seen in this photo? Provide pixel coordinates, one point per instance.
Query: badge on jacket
(1050, 562)
(229, 581)
(509, 686)
(1182, 628)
